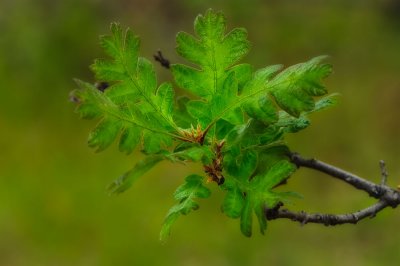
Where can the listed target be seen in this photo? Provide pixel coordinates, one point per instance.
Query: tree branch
(326, 219)
(374, 190)
(387, 196)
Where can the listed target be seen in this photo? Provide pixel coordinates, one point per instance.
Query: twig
(102, 86)
(384, 172)
(161, 59)
(371, 188)
(327, 219)
(387, 196)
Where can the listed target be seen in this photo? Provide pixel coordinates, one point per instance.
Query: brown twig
(102, 85)
(384, 172)
(327, 219)
(387, 197)
(162, 60)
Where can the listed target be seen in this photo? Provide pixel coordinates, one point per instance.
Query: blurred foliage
(53, 206)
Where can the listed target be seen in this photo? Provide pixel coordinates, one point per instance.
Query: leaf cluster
(232, 120)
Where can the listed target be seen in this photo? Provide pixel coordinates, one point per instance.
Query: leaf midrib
(242, 99)
(140, 89)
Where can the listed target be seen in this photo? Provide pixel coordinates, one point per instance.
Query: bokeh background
(53, 205)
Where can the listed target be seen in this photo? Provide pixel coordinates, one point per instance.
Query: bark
(387, 197)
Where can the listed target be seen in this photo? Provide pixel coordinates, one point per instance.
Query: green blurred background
(53, 205)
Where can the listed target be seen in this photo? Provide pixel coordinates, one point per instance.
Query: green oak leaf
(132, 103)
(185, 194)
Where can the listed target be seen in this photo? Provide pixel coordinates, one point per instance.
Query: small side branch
(387, 197)
(326, 219)
(159, 57)
(371, 188)
(384, 172)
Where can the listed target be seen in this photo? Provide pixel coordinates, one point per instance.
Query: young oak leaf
(250, 183)
(214, 52)
(133, 75)
(295, 87)
(124, 182)
(132, 104)
(290, 124)
(185, 194)
(234, 200)
(260, 106)
(292, 89)
(216, 80)
(259, 195)
(92, 103)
